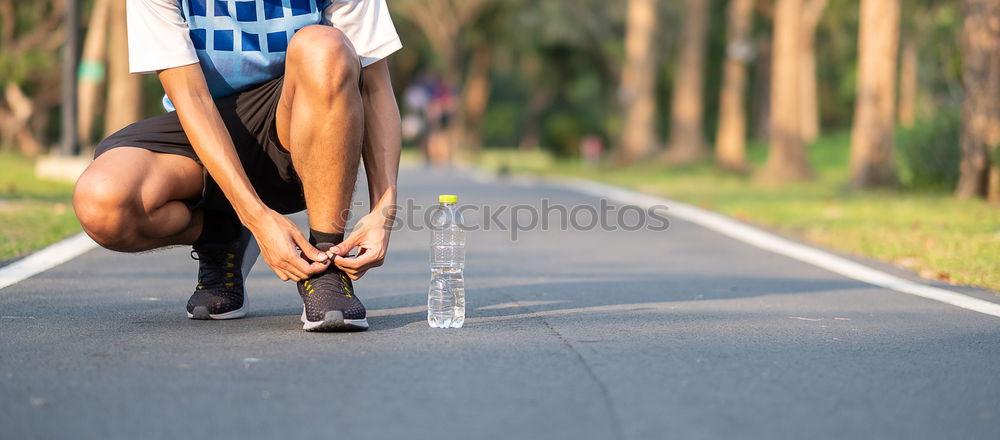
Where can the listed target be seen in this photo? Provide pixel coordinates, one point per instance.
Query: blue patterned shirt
(242, 43)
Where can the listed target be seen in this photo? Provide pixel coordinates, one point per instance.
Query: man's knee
(106, 211)
(323, 60)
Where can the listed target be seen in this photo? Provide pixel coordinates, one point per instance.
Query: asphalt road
(579, 334)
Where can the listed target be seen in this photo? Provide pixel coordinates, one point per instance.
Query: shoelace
(217, 270)
(331, 279)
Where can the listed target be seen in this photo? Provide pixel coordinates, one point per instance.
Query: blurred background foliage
(555, 67)
(552, 69)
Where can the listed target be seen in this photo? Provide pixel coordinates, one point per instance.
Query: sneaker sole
(201, 312)
(334, 321)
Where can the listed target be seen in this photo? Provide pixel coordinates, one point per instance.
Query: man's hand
(278, 237)
(371, 236)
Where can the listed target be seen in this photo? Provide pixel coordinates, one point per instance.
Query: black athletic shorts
(250, 118)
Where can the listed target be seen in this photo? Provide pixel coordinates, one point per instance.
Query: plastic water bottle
(446, 296)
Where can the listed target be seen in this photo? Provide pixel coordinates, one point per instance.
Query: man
(276, 101)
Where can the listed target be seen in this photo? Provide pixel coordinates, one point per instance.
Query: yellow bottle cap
(447, 198)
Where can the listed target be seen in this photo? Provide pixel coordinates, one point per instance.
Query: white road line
(770, 242)
(45, 259)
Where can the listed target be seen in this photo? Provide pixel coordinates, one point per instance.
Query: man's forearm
(382, 141)
(186, 88)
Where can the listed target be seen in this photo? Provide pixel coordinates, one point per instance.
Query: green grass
(33, 212)
(928, 232)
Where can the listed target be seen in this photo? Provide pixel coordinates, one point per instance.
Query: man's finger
(281, 274)
(308, 250)
(315, 268)
(354, 263)
(344, 247)
(284, 275)
(294, 272)
(304, 268)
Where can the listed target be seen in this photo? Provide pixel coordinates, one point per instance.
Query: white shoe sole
(333, 322)
(201, 312)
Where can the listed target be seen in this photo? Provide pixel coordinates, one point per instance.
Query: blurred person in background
(440, 114)
(416, 99)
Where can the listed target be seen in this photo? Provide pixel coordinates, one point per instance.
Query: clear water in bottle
(446, 296)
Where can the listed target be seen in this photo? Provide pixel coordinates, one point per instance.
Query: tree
(124, 105)
(872, 162)
(812, 11)
(491, 24)
(980, 137)
(787, 158)
(567, 59)
(30, 35)
(908, 82)
(92, 72)
(442, 22)
(686, 143)
(730, 143)
(476, 95)
(538, 100)
(637, 92)
(760, 88)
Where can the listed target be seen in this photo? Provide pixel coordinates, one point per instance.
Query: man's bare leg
(320, 120)
(130, 200)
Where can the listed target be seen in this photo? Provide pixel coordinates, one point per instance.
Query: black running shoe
(329, 302)
(221, 269)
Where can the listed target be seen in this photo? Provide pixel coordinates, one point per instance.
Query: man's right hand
(278, 237)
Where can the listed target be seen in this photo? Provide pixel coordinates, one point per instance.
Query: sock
(219, 227)
(324, 237)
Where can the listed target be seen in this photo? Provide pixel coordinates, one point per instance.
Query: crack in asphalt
(616, 423)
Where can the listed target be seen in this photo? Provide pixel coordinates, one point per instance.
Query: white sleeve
(367, 24)
(158, 36)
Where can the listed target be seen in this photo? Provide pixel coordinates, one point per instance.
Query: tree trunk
(637, 95)
(871, 136)
(17, 121)
(124, 89)
(92, 69)
(760, 94)
(812, 11)
(531, 121)
(476, 96)
(993, 184)
(530, 68)
(730, 144)
(686, 142)
(787, 158)
(908, 82)
(981, 109)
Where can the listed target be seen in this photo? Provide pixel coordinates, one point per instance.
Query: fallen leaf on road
(935, 275)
